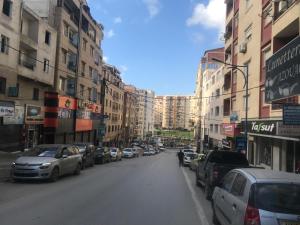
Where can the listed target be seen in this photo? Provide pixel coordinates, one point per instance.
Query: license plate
(289, 223)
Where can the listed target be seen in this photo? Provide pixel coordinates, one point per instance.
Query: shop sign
(234, 117)
(288, 130)
(65, 113)
(67, 102)
(34, 114)
(7, 108)
(291, 114)
(283, 72)
(17, 118)
(83, 114)
(230, 129)
(240, 144)
(262, 127)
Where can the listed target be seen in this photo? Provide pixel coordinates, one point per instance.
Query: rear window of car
(277, 197)
(229, 158)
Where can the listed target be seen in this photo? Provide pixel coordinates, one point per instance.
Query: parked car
(102, 155)
(188, 151)
(47, 162)
(87, 152)
(188, 157)
(128, 153)
(195, 161)
(115, 154)
(214, 167)
(152, 151)
(147, 152)
(257, 196)
(136, 151)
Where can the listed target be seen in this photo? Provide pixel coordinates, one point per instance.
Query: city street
(146, 190)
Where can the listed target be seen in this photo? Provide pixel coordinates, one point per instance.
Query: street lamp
(246, 85)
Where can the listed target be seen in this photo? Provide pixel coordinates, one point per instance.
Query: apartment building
(76, 89)
(113, 106)
(259, 42)
(130, 114)
(177, 112)
(27, 59)
(212, 109)
(206, 63)
(145, 106)
(158, 112)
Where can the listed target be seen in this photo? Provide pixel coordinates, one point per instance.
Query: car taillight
(252, 216)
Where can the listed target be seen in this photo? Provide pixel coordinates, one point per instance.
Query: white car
(188, 157)
(128, 153)
(115, 154)
(152, 151)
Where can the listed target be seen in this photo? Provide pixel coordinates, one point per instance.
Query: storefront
(273, 145)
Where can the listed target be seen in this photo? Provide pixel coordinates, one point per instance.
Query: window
(91, 51)
(4, 44)
(227, 181)
(46, 65)
(248, 33)
(7, 7)
(82, 68)
(47, 37)
(64, 56)
(2, 85)
(90, 71)
(217, 111)
(216, 128)
(62, 83)
(266, 55)
(36, 93)
(267, 15)
(239, 185)
(233, 104)
(66, 30)
(211, 112)
(211, 128)
(81, 90)
(217, 93)
(84, 44)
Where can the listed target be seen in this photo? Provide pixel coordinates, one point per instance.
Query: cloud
(123, 68)
(118, 20)
(105, 59)
(198, 38)
(211, 15)
(110, 33)
(153, 7)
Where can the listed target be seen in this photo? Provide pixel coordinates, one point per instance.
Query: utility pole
(102, 102)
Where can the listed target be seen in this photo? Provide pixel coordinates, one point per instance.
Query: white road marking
(199, 209)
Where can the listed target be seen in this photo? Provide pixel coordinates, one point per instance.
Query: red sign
(230, 129)
(67, 102)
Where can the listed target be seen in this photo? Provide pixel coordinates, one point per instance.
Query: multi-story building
(177, 112)
(27, 59)
(158, 112)
(130, 114)
(145, 106)
(76, 89)
(113, 106)
(206, 63)
(212, 108)
(268, 45)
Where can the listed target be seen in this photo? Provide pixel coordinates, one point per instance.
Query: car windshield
(127, 150)
(113, 150)
(191, 155)
(278, 197)
(43, 152)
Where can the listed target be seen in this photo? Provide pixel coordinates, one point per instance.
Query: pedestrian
(180, 155)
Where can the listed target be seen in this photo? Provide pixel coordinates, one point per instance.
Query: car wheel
(78, 169)
(207, 191)
(214, 217)
(54, 174)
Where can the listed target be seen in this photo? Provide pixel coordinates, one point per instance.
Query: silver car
(47, 162)
(258, 197)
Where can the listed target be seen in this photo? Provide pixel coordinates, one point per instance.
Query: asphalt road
(149, 190)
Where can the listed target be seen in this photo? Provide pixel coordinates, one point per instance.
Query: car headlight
(13, 164)
(45, 165)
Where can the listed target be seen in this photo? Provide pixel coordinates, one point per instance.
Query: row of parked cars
(242, 194)
(49, 162)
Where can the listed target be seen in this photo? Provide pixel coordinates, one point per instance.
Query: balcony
(283, 7)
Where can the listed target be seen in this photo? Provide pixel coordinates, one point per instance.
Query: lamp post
(246, 85)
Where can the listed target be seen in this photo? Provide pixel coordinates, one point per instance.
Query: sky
(157, 44)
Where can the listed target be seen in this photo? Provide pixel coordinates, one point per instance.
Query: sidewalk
(5, 164)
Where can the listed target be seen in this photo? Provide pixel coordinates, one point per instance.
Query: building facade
(113, 106)
(212, 108)
(72, 107)
(259, 42)
(27, 59)
(158, 112)
(145, 106)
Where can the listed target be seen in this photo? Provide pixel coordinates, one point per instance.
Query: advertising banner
(17, 118)
(283, 72)
(34, 114)
(7, 108)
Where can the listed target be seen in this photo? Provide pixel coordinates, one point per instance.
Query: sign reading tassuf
(283, 72)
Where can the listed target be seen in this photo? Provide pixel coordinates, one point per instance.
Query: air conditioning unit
(282, 6)
(243, 47)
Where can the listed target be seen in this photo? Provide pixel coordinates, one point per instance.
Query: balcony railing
(28, 64)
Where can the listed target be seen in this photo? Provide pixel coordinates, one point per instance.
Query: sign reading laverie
(283, 72)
